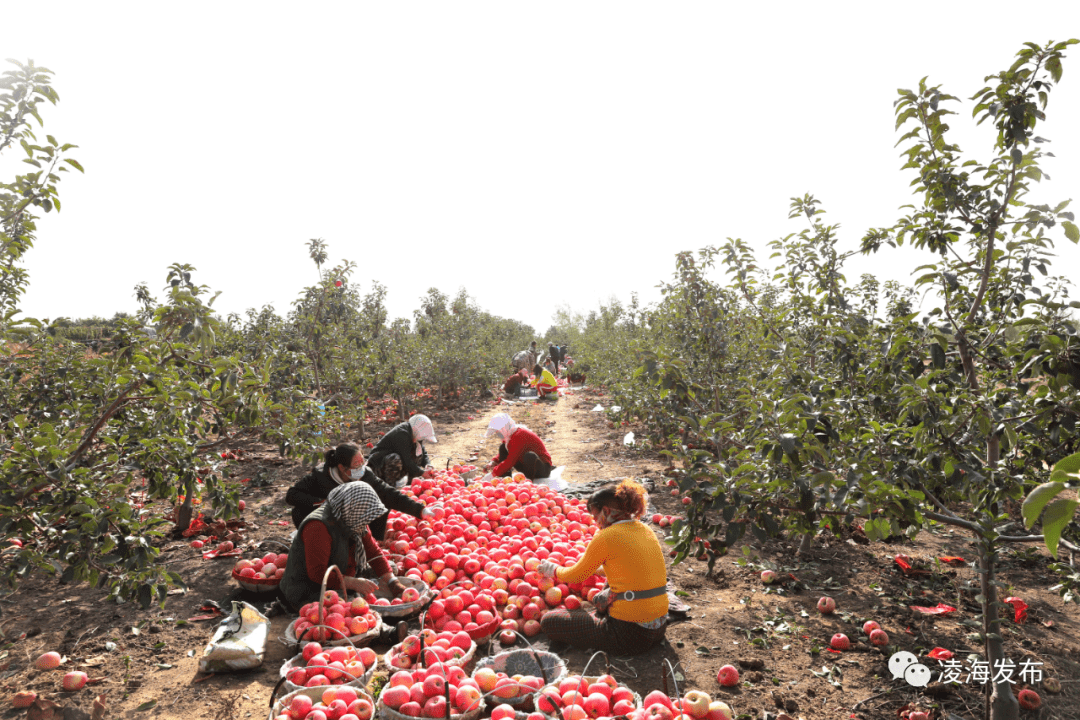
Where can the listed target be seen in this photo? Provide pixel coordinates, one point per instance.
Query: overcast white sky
(535, 154)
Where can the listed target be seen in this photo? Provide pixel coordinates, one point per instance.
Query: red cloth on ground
(317, 553)
(521, 441)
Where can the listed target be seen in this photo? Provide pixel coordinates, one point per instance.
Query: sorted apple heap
(489, 544)
(341, 618)
(438, 647)
(422, 692)
(340, 703)
(463, 611)
(332, 666)
(270, 565)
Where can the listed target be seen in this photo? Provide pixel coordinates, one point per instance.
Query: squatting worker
(337, 533)
(515, 381)
(521, 449)
(545, 381)
(401, 452)
(343, 464)
(632, 618)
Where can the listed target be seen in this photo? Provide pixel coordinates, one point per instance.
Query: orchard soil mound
(145, 662)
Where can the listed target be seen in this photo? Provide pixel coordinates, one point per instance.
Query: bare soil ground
(773, 633)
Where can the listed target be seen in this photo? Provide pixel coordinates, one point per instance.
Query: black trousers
(529, 464)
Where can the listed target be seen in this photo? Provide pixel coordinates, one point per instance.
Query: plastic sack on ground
(554, 480)
(239, 643)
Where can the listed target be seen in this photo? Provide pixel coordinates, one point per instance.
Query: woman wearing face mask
(344, 464)
(631, 612)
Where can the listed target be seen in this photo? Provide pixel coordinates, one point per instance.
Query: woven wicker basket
(298, 661)
(277, 707)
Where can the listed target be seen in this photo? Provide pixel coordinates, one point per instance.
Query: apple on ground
(728, 676)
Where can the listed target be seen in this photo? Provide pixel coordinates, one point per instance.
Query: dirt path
(774, 634)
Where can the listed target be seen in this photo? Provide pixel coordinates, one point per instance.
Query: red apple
(728, 676)
(840, 642)
(826, 605)
(696, 703)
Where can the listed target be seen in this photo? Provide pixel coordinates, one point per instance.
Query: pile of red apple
(446, 647)
(489, 545)
(332, 666)
(422, 692)
(270, 566)
(340, 618)
(340, 703)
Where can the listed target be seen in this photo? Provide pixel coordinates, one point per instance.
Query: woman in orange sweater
(633, 617)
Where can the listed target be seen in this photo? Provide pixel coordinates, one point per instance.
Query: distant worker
(545, 382)
(555, 353)
(515, 381)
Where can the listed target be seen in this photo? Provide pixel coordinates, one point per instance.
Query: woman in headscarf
(337, 533)
(519, 450)
(631, 613)
(343, 464)
(401, 451)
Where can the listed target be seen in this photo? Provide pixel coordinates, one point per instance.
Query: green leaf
(75, 164)
(1066, 470)
(1053, 65)
(1071, 231)
(146, 705)
(1058, 514)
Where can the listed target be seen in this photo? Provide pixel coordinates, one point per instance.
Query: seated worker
(400, 452)
(632, 617)
(343, 464)
(545, 381)
(515, 381)
(337, 533)
(520, 450)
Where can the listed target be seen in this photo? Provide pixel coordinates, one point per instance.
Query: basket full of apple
(438, 691)
(334, 621)
(261, 575)
(322, 703)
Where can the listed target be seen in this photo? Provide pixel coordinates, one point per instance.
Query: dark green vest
(296, 586)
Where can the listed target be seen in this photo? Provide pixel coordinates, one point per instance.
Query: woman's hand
(390, 584)
(429, 511)
(361, 585)
(547, 568)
